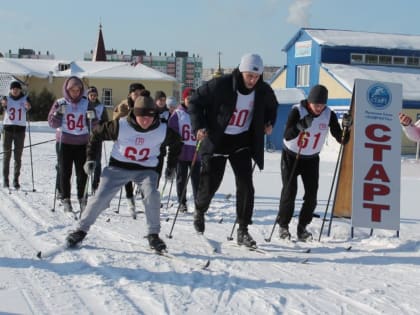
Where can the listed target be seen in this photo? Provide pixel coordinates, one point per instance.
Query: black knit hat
(318, 95)
(15, 85)
(159, 94)
(135, 86)
(92, 89)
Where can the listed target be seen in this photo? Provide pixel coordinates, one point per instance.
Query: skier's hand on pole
(347, 121)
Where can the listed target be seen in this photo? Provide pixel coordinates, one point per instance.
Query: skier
(171, 104)
(134, 156)
(71, 116)
(121, 110)
(230, 115)
(180, 121)
(102, 115)
(305, 132)
(160, 101)
(15, 107)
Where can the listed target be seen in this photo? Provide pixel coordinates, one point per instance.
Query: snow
(327, 37)
(114, 272)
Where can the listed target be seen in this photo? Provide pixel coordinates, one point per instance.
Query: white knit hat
(171, 101)
(251, 63)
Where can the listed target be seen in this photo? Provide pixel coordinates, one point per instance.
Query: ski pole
(55, 190)
(58, 168)
(289, 181)
(170, 193)
(163, 188)
(30, 151)
(105, 156)
(31, 145)
(85, 195)
(184, 190)
(119, 201)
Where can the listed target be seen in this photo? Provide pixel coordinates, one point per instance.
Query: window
(63, 66)
(413, 61)
(107, 97)
(356, 58)
(385, 60)
(398, 60)
(302, 75)
(372, 59)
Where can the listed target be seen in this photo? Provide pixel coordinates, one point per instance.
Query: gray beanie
(251, 63)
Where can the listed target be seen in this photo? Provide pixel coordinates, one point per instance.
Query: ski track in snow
(114, 272)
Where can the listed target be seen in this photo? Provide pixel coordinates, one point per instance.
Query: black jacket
(213, 104)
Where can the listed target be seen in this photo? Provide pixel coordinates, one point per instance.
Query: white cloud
(299, 12)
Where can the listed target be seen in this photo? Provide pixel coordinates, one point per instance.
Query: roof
(289, 95)
(82, 69)
(328, 37)
(408, 77)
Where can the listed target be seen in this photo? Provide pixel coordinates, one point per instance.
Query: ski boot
(16, 184)
(75, 238)
(183, 208)
(199, 221)
(284, 233)
(156, 243)
(302, 234)
(244, 238)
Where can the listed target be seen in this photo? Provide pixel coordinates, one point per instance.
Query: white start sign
(376, 155)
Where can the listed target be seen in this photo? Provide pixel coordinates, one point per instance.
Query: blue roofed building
(335, 58)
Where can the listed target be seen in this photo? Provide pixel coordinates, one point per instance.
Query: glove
(347, 121)
(61, 109)
(170, 173)
(305, 122)
(89, 167)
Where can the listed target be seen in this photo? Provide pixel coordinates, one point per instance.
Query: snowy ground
(115, 273)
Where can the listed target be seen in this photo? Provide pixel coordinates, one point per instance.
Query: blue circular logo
(379, 96)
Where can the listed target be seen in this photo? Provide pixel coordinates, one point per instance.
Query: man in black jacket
(230, 115)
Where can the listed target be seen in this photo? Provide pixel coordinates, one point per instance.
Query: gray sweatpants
(112, 179)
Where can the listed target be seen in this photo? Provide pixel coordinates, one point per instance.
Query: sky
(114, 272)
(204, 27)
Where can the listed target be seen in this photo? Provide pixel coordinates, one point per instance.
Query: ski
(52, 252)
(166, 254)
(258, 250)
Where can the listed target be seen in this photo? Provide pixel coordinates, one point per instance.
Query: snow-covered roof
(289, 95)
(90, 69)
(327, 37)
(408, 77)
